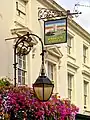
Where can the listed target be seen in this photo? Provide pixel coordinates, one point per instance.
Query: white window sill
(20, 23)
(87, 110)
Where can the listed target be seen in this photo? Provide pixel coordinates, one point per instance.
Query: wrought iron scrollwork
(44, 13)
(24, 45)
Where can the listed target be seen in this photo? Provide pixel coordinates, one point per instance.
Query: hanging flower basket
(19, 103)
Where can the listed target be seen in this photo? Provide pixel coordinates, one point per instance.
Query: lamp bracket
(44, 13)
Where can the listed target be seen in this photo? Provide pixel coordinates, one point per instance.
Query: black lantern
(43, 88)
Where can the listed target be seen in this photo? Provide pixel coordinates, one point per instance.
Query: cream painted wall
(62, 82)
(6, 21)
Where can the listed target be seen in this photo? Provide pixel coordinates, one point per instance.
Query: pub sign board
(55, 31)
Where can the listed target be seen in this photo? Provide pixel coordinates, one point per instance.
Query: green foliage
(20, 115)
(4, 81)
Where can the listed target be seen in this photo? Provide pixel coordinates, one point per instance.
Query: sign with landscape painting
(55, 31)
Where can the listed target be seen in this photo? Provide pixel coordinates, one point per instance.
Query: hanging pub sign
(55, 31)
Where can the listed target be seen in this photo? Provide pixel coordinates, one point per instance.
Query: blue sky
(58, 22)
(84, 18)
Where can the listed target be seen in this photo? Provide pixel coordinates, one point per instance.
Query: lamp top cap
(43, 80)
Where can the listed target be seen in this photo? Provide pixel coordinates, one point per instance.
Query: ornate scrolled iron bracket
(24, 45)
(44, 13)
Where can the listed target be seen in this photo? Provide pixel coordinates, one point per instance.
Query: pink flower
(22, 98)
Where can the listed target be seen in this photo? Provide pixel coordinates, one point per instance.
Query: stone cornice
(79, 30)
(86, 72)
(54, 51)
(51, 4)
(74, 66)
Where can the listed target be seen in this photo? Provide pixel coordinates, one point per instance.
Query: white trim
(86, 73)
(71, 72)
(71, 56)
(70, 32)
(53, 49)
(86, 43)
(53, 62)
(74, 66)
(86, 66)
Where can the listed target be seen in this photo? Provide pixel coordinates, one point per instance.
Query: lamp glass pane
(47, 91)
(39, 92)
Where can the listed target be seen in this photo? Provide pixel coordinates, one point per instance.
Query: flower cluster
(20, 102)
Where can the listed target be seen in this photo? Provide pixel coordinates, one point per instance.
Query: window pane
(69, 46)
(23, 73)
(70, 81)
(85, 87)
(21, 69)
(21, 11)
(20, 57)
(69, 42)
(69, 93)
(50, 70)
(24, 65)
(19, 80)
(23, 80)
(19, 72)
(69, 39)
(85, 92)
(85, 53)
(68, 50)
(20, 63)
(84, 50)
(24, 58)
(85, 99)
(84, 59)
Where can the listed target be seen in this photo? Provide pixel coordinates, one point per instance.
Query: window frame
(85, 93)
(22, 69)
(50, 65)
(70, 44)
(19, 12)
(70, 78)
(85, 55)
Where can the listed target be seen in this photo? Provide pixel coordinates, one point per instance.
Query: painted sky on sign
(57, 22)
(84, 18)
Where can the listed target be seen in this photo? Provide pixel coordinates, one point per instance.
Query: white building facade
(67, 64)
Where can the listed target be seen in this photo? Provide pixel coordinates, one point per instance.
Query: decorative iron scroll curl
(24, 44)
(44, 13)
